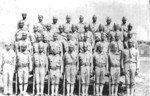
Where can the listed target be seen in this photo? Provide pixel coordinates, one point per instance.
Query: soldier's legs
(132, 79)
(112, 71)
(37, 78)
(83, 69)
(97, 73)
(26, 77)
(52, 81)
(87, 78)
(72, 78)
(57, 77)
(102, 79)
(42, 78)
(11, 74)
(5, 79)
(127, 78)
(68, 75)
(20, 77)
(117, 79)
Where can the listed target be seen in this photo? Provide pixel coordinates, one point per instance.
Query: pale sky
(136, 11)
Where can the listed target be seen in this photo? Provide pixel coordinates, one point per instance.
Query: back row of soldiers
(65, 51)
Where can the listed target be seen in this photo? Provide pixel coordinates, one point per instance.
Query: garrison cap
(130, 25)
(94, 16)
(124, 18)
(68, 17)
(81, 17)
(39, 15)
(55, 18)
(108, 19)
(24, 13)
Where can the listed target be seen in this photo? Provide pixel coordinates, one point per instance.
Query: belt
(101, 65)
(55, 68)
(8, 62)
(84, 64)
(115, 65)
(23, 65)
(70, 63)
(39, 65)
(131, 62)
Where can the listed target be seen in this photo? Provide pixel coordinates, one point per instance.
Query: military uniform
(108, 29)
(70, 60)
(101, 66)
(8, 67)
(89, 37)
(40, 26)
(114, 66)
(26, 26)
(105, 44)
(55, 27)
(41, 67)
(55, 68)
(85, 63)
(24, 66)
(97, 37)
(119, 45)
(93, 27)
(131, 63)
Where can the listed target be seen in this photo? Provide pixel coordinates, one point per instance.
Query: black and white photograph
(74, 47)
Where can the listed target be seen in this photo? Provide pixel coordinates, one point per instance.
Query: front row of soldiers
(69, 64)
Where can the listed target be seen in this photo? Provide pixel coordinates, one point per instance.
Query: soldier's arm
(107, 64)
(61, 49)
(121, 60)
(30, 62)
(2, 63)
(137, 60)
(62, 64)
(46, 62)
(91, 60)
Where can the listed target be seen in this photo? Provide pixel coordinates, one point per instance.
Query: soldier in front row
(71, 68)
(24, 66)
(41, 68)
(131, 66)
(8, 68)
(85, 63)
(115, 65)
(100, 61)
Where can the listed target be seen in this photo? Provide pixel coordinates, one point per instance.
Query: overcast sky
(136, 11)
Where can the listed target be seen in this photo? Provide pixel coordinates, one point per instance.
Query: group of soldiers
(69, 51)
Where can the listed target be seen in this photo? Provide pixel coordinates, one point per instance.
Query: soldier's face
(102, 38)
(24, 37)
(73, 29)
(100, 49)
(40, 18)
(68, 37)
(60, 30)
(48, 28)
(108, 22)
(55, 37)
(117, 38)
(21, 25)
(130, 44)
(68, 20)
(8, 47)
(71, 49)
(81, 20)
(24, 16)
(94, 19)
(85, 49)
(40, 50)
(39, 39)
(86, 29)
(129, 28)
(23, 48)
(124, 21)
(114, 49)
(54, 21)
(129, 36)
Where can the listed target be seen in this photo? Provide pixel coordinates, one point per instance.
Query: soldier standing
(70, 61)
(108, 28)
(41, 68)
(112, 33)
(8, 68)
(81, 25)
(93, 27)
(40, 25)
(26, 23)
(118, 42)
(85, 63)
(55, 25)
(115, 65)
(48, 34)
(67, 25)
(56, 64)
(100, 61)
(24, 66)
(131, 66)
(124, 28)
